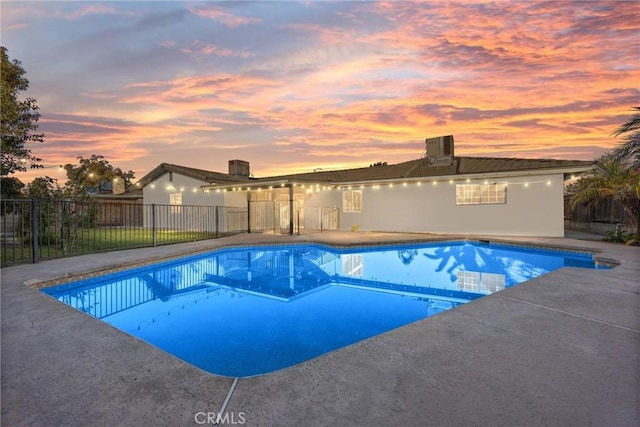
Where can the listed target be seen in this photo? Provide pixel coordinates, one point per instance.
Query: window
(481, 194)
(352, 201)
(352, 265)
(474, 281)
(175, 200)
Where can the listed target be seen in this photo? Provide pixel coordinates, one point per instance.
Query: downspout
(248, 211)
(291, 209)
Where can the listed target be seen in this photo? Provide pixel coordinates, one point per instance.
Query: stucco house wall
(159, 191)
(194, 213)
(236, 199)
(534, 207)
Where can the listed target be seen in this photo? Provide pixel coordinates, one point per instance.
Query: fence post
(34, 230)
(153, 224)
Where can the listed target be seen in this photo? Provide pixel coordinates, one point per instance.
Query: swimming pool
(246, 311)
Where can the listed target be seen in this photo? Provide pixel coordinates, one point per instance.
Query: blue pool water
(247, 311)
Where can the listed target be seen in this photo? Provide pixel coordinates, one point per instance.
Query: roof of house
(420, 168)
(199, 174)
(410, 169)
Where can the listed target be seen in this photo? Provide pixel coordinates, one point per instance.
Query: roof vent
(440, 151)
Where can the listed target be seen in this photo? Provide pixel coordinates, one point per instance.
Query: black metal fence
(38, 229)
(274, 216)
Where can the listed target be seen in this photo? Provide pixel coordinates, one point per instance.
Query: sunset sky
(296, 86)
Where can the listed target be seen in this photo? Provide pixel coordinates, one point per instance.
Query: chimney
(239, 168)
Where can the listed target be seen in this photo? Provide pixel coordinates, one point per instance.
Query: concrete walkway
(559, 350)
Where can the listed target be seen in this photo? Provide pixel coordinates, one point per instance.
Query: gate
(273, 216)
(270, 216)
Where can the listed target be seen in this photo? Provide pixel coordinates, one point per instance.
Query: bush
(616, 236)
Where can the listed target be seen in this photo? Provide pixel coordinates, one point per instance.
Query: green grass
(91, 240)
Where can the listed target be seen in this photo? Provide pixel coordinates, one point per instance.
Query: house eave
(286, 183)
(266, 183)
(566, 171)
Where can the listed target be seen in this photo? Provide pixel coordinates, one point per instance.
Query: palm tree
(610, 178)
(630, 149)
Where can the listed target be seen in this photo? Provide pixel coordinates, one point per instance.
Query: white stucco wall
(234, 198)
(195, 213)
(533, 210)
(536, 209)
(158, 192)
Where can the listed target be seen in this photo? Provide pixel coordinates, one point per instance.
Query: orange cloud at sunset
(292, 87)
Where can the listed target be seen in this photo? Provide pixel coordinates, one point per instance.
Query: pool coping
(72, 277)
(569, 355)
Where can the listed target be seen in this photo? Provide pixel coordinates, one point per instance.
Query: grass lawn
(90, 240)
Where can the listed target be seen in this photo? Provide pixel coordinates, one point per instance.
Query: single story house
(436, 193)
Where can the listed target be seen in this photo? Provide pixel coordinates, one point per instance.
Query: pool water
(248, 311)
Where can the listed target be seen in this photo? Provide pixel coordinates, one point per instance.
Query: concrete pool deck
(562, 349)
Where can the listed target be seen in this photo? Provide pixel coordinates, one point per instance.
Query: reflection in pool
(248, 311)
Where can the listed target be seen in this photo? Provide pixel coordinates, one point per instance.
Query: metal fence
(36, 229)
(274, 216)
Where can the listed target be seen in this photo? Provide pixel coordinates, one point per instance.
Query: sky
(299, 86)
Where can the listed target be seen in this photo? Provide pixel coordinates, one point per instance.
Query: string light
(309, 188)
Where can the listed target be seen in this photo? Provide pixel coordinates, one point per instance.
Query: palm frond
(631, 125)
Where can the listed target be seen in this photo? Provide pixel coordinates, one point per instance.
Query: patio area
(562, 349)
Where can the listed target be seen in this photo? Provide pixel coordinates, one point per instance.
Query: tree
(43, 187)
(19, 119)
(630, 149)
(10, 187)
(94, 175)
(610, 178)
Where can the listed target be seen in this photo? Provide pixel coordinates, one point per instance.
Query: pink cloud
(529, 80)
(14, 27)
(202, 48)
(97, 9)
(219, 14)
